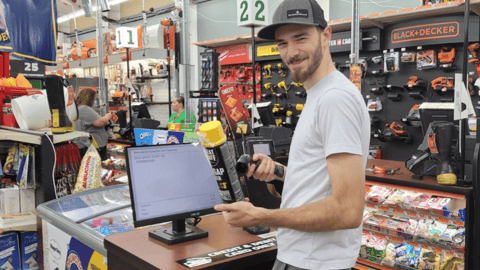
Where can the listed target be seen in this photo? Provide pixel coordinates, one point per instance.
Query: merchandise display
(417, 69)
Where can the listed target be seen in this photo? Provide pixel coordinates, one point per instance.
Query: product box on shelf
(9, 201)
(27, 200)
(9, 252)
(29, 252)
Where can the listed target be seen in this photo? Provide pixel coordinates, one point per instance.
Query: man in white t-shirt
(320, 216)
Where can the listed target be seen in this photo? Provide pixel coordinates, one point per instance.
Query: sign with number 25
(252, 13)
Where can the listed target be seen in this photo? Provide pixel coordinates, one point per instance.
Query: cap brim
(268, 32)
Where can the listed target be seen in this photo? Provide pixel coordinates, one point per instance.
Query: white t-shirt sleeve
(340, 120)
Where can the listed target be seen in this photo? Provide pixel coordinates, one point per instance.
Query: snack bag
(378, 194)
(8, 168)
(396, 199)
(89, 175)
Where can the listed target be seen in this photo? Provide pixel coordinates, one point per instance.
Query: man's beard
(299, 76)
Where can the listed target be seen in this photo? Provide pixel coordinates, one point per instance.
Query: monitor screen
(170, 183)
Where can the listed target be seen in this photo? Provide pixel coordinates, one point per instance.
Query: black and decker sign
(430, 31)
(426, 31)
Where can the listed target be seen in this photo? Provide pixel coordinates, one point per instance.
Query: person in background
(90, 121)
(320, 217)
(178, 108)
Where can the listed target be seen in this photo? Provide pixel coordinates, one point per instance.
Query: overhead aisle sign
(252, 13)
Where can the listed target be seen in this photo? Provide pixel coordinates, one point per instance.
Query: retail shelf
(18, 222)
(204, 94)
(228, 41)
(370, 264)
(415, 244)
(403, 179)
(34, 137)
(402, 15)
(414, 214)
(137, 54)
(371, 20)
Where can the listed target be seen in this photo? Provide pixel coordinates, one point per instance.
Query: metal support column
(355, 37)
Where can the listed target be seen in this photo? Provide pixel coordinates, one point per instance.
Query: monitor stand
(178, 233)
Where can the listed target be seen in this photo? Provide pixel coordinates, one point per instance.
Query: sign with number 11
(252, 13)
(126, 37)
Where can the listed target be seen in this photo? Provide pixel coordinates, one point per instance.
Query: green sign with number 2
(252, 12)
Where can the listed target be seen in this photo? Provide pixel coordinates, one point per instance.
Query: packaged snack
(89, 175)
(378, 194)
(407, 229)
(373, 222)
(389, 259)
(389, 226)
(438, 205)
(396, 199)
(425, 205)
(412, 200)
(8, 167)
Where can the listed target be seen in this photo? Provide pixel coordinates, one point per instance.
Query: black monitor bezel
(146, 222)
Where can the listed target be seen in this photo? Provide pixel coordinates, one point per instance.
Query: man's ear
(326, 36)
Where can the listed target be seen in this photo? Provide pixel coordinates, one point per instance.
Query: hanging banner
(28, 29)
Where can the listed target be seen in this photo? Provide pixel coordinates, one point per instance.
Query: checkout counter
(85, 229)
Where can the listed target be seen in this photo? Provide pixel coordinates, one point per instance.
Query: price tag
(384, 208)
(442, 220)
(438, 250)
(458, 223)
(379, 235)
(413, 244)
(251, 13)
(398, 211)
(126, 37)
(370, 205)
(412, 214)
(396, 239)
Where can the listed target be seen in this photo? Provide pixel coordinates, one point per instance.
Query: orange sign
(426, 31)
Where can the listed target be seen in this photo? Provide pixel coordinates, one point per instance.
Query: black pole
(463, 122)
(253, 67)
(129, 93)
(168, 73)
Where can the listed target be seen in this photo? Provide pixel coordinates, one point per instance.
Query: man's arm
(343, 209)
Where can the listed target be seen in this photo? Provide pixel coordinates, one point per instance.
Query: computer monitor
(171, 183)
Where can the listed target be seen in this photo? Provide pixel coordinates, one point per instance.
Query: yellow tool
(283, 85)
(279, 122)
(299, 85)
(299, 106)
(276, 108)
(280, 70)
(267, 71)
(268, 86)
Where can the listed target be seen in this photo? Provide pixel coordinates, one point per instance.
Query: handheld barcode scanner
(256, 146)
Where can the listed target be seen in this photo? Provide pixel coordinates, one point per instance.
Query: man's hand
(265, 171)
(240, 214)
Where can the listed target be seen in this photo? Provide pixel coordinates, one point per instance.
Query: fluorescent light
(79, 13)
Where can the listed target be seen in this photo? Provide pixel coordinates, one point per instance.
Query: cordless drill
(473, 58)
(267, 71)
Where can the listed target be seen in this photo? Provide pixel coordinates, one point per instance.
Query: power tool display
(446, 57)
(443, 84)
(394, 132)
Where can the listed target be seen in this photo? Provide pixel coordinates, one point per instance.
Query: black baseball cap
(306, 12)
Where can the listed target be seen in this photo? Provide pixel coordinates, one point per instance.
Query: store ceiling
(119, 9)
